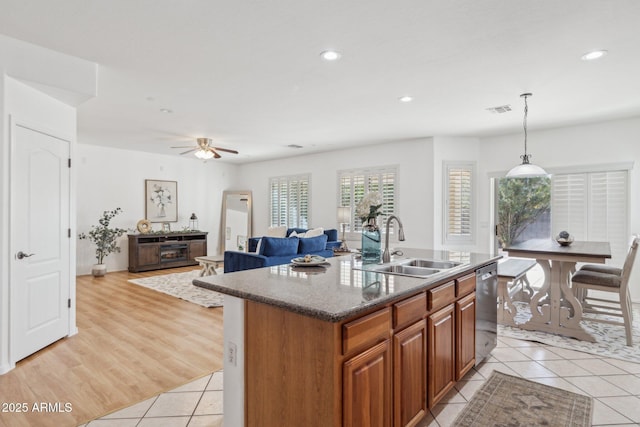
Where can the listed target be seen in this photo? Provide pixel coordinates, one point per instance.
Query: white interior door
(40, 219)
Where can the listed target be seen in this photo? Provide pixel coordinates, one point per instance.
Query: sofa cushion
(314, 232)
(276, 246)
(312, 244)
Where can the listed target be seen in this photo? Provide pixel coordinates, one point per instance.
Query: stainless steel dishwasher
(486, 310)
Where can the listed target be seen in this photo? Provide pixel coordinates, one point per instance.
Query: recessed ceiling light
(330, 55)
(166, 111)
(405, 98)
(596, 54)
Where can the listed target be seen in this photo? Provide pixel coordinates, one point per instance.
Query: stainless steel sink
(429, 263)
(413, 267)
(406, 270)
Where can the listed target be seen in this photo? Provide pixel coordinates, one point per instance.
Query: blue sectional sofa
(276, 251)
(332, 238)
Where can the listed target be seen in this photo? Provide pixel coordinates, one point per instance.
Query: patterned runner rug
(505, 400)
(179, 285)
(610, 339)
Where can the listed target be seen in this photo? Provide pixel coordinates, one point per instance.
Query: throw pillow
(258, 246)
(277, 246)
(314, 232)
(296, 234)
(277, 231)
(312, 244)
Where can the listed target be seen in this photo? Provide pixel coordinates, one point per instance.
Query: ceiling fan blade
(225, 150)
(188, 151)
(215, 153)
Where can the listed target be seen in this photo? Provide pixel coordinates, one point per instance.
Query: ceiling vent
(294, 146)
(500, 109)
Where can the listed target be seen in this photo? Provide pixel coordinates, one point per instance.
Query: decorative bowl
(564, 241)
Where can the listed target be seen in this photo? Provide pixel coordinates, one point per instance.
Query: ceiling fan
(204, 149)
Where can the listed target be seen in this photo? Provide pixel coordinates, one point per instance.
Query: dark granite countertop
(336, 291)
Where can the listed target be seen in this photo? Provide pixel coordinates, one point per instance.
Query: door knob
(21, 255)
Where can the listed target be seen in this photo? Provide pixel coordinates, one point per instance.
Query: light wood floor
(133, 343)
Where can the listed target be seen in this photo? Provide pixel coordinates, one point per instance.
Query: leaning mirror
(236, 220)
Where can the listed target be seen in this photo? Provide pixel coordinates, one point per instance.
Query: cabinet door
(441, 354)
(410, 375)
(148, 255)
(465, 335)
(197, 249)
(367, 388)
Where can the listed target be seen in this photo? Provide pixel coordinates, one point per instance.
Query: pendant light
(526, 169)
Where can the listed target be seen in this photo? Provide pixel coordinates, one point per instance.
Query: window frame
(447, 238)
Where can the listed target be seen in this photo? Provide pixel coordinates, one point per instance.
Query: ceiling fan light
(204, 154)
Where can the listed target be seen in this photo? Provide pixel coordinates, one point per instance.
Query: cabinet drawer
(409, 310)
(441, 296)
(465, 284)
(366, 331)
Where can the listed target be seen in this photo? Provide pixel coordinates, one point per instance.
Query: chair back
(628, 263)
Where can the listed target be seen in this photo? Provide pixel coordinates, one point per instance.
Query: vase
(99, 270)
(371, 242)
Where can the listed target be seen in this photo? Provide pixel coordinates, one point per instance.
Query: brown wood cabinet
(465, 335)
(367, 388)
(381, 368)
(410, 374)
(156, 251)
(441, 353)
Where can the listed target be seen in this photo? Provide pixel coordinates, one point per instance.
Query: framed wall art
(161, 200)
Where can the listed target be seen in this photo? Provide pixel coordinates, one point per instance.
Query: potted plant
(105, 239)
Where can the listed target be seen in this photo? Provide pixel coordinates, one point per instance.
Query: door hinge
(69, 162)
(496, 230)
(68, 232)
(69, 303)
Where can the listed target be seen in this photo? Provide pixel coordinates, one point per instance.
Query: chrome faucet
(386, 256)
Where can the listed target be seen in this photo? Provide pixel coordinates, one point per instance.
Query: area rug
(180, 285)
(610, 339)
(505, 400)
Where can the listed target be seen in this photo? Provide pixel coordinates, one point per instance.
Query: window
(593, 206)
(458, 204)
(289, 201)
(354, 184)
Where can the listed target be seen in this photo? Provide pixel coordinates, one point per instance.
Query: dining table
(554, 308)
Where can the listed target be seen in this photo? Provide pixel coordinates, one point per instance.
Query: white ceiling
(248, 73)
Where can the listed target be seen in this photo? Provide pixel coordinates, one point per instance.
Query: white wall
(598, 143)
(415, 189)
(40, 86)
(109, 178)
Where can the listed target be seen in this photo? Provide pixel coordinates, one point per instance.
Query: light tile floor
(613, 384)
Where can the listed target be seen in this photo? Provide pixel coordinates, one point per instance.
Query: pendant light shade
(526, 169)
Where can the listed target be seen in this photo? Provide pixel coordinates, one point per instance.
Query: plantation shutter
(458, 206)
(289, 201)
(593, 206)
(355, 184)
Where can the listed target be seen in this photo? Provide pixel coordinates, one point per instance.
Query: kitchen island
(335, 345)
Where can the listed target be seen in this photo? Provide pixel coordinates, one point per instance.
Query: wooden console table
(157, 251)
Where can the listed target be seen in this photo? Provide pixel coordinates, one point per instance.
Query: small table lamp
(193, 222)
(344, 217)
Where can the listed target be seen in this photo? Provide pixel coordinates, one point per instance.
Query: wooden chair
(607, 279)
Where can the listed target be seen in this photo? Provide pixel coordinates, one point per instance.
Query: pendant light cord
(525, 156)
